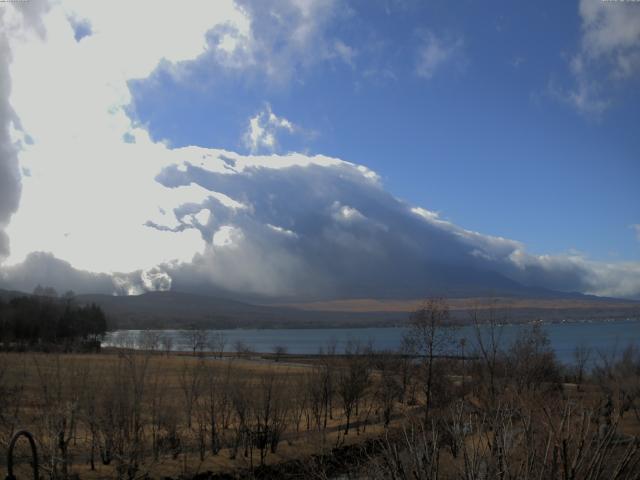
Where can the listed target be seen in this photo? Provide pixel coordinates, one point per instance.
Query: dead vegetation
(506, 411)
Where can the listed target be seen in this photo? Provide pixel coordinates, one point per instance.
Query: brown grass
(35, 372)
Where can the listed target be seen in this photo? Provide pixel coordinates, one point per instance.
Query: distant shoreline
(376, 326)
(565, 337)
(360, 326)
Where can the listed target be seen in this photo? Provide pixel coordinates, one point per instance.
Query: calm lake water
(564, 337)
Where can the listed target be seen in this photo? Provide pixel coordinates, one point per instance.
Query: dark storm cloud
(29, 14)
(300, 227)
(47, 270)
(333, 231)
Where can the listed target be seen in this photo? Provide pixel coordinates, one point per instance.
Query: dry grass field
(130, 414)
(159, 412)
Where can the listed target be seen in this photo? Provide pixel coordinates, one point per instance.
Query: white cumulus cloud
(263, 130)
(609, 54)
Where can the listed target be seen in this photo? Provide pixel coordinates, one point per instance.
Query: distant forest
(44, 320)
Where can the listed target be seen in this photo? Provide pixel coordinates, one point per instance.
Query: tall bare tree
(218, 343)
(353, 379)
(196, 339)
(431, 333)
(488, 327)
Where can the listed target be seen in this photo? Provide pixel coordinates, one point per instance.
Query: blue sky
(485, 140)
(320, 148)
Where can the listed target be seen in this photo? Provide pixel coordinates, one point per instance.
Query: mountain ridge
(178, 310)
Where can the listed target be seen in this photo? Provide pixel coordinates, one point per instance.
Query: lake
(564, 337)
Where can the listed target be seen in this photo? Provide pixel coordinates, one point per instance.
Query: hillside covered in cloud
(89, 201)
(315, 227)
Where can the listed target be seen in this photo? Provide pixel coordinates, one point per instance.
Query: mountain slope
(180, 310)
(185, 310)
(176, 310)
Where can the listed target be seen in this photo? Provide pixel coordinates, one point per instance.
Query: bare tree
(124, 339)
(196, 339)
(300, 400)
(215, 402)
(239, 392)
(328, 357)
(61, 390)
(431, 333)
(269, 407)
(388, 388)
(132, 394)
(242, 348)
(489, 328)
(279, 351)
(353, 380)
(218, 343)
(405, 368)
(191, 385)
(157, 408)
(554, 441)
(12, 391)
(581, 356)
(89, 416)
(618, 375)
(316, 397)
(149, 340)
(532, 361)
(167, 343)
